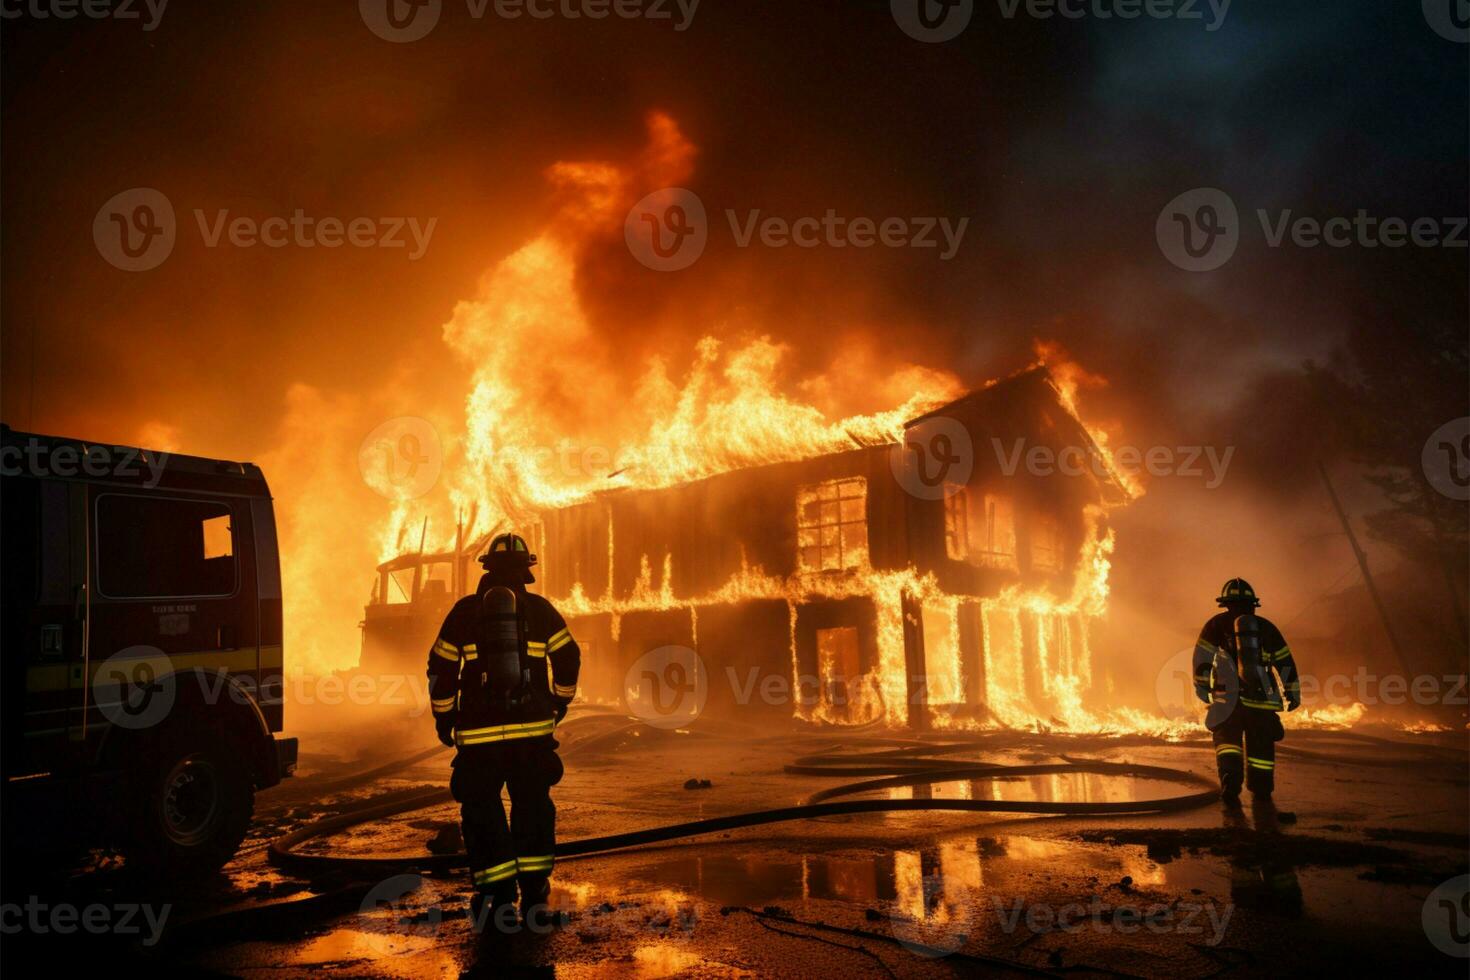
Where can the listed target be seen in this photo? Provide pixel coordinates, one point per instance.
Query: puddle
(351, 945)
(1053, 788)
(922, 883)
(918, 884)
(649, 961)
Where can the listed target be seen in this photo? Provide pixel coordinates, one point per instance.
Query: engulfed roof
(1030, 378)
(1034, 382)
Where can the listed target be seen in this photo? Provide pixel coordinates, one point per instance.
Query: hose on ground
(899, 767)
(897, 762)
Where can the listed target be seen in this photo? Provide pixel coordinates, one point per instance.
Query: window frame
(860, 550)
(96, 536)
(1046, 548)
(957, 523)
(989, 557)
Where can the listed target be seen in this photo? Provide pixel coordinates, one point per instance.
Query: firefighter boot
(535, 898)
(1228, 761)
(492, 910)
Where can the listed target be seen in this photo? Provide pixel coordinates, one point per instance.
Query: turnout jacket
(1215, 656)
(457, 691)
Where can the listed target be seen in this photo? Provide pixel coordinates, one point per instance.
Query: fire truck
(142, 680)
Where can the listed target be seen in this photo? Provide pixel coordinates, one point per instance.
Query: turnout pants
(1260, 730)
(504, 853)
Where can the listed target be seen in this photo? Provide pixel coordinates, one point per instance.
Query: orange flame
(532, 351)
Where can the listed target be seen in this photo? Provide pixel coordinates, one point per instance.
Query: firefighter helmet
(508, 549)
(1237, 591)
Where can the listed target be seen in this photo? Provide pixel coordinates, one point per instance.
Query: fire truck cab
(142, 647)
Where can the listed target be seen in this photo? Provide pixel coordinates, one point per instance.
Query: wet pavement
(1335, 876)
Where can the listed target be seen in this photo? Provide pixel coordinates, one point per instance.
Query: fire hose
(903, 766)
(897, 762)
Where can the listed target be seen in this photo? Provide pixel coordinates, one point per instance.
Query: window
(437, 580)
(980, 528)
(156, 547)
(399, 586)
(832, 525)
(1046, 544)
(957, 523)
(996, 547)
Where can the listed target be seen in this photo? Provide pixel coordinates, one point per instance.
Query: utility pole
(1362, 558)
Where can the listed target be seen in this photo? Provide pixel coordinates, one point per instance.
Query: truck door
(172, 590)
(43, 626)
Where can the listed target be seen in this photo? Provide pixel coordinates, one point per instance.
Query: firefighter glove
(445, 730)
(1293, 701)
(560, 708)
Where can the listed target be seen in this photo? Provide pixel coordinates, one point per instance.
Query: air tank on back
(499, 642)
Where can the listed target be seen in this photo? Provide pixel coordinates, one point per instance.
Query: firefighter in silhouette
(501, 674)
(1236, 662)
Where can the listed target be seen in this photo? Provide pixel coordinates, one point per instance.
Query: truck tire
(194, 799)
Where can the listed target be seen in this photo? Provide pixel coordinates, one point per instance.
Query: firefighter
(497, 703)
(1236, 660)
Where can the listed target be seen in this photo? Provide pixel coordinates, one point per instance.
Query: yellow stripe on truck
(55, 677)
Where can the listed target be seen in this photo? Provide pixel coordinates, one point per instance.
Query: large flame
(548, 416)
(553, 416)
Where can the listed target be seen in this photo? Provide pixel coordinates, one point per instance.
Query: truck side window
(57, 580)
(157, 547)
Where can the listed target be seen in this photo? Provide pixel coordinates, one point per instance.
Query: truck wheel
(195, 801)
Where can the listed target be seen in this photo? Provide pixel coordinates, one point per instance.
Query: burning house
(937, 580)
